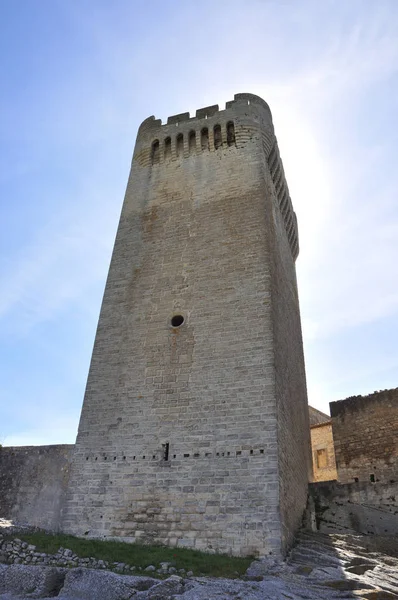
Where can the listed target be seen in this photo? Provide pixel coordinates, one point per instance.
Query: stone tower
(194, 429)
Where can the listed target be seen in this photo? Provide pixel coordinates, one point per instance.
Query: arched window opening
(167, 147)
(155, 152)
(204, 138)
(192, 142)
(180, 144)
(230, 134)
(217, 137)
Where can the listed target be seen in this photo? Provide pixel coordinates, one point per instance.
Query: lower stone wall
(353, 507)
(33, 481)
(365, 433)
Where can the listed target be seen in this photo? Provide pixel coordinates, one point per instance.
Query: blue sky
(78, 77)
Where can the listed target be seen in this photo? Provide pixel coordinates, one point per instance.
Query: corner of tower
(149, 124)
(250, 99)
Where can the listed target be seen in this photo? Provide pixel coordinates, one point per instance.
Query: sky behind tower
(78, 77)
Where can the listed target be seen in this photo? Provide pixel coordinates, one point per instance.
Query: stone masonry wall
(323, 458)
(365, 432)
(363, 507)
(33, 482)
(178, 438)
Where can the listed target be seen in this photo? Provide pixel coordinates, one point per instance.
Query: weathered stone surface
(89, 584)
(330, 567)
(165, 590)
(35, 581)
(363, 507)
(264, 567)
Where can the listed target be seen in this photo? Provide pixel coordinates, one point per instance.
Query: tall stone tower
(194, 429)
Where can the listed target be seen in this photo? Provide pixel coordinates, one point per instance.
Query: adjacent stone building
(194, 429)
(323, 459)
(365, 432)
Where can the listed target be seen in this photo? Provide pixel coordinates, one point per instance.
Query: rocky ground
(319, 567)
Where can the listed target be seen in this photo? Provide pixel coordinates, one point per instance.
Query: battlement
(246, 118)
(206, 112)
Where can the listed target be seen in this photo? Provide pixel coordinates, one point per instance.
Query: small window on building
(321, 458)
(177, 321)
(372, 478)
(192, 142)
(204, 138)
(230, 134)
(166, 449)
(180, 145)
(155, 152)
(167, 147)
(217, 137)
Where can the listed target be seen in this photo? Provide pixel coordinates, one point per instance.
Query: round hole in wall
(177, 321)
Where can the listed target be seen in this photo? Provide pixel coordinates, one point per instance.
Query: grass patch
(200, 563)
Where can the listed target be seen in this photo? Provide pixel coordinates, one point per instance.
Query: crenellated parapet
(240, 100)
(210, 129)
(245, 119)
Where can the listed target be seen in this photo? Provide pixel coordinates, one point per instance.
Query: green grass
(200, 563)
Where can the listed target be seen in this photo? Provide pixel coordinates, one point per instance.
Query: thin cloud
(64, 261)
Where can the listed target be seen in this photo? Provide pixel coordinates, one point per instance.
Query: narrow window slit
(230, 133)
(192, 142)
(167, 147)
(166, 449)
(204, 138)
(217, 137)
(180, 144)
(155, 152)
